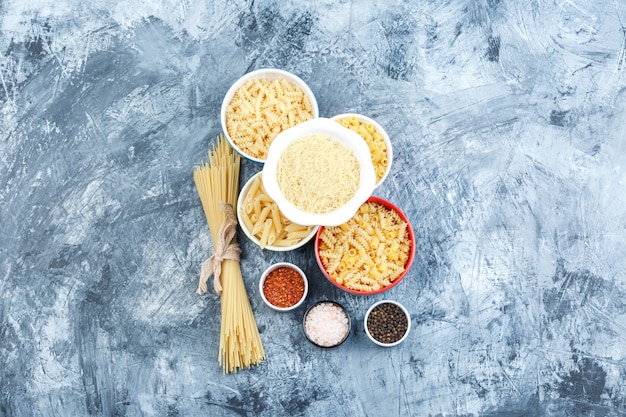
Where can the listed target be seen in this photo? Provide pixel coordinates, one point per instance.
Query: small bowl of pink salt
(326, 324)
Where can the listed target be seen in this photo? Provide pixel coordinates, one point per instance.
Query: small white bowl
(380, 130)
(269, 74)
(274, 267)
(248, 233)
(346, 137)
(404, 310)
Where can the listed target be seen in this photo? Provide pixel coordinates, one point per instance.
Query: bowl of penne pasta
(260, 105)
(376, 138)
(371, 252)
(263, 223)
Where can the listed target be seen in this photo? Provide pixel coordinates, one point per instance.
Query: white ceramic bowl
(270, 74)
(274, 267)
(248, 233)
(346, 137)
(404, 310)
(382, 132)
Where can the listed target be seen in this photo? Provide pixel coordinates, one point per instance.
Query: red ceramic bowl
(407, 266)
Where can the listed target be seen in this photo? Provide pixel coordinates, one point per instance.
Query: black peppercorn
(387, 323)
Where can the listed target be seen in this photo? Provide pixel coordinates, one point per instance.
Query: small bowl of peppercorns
(387, 323)
(283, 286)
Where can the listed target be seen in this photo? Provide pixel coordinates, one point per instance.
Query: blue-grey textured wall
(508, 125)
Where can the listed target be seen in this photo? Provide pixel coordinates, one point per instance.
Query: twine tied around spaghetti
(224, 249)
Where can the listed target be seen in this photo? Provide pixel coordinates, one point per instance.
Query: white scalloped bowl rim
(347, 138)
(380, 130)
(254, 239)
(270, 74)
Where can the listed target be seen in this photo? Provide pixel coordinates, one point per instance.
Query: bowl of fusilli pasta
(370, 253)
(260, 105)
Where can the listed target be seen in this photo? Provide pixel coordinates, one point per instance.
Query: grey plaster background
(508, 124)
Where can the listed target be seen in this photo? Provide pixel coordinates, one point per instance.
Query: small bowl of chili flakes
(283, 286)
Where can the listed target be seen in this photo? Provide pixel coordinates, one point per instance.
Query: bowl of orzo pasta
(371, 252)
(260, 105)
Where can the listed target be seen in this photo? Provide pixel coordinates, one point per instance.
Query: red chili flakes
(283, 287)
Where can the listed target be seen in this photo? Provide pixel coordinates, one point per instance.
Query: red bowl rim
(409, 261)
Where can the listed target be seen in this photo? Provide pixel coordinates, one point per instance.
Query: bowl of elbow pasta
(260, 105)
(376, 138)
(264, 224)
(370, 253)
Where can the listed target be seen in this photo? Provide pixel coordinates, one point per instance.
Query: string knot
(224, 249)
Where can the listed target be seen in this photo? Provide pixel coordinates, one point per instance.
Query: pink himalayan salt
(326, 324)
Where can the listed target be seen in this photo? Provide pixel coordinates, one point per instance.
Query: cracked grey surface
(508, 125)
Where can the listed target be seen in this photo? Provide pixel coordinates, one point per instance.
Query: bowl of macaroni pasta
(370, 253)
(260, 105)
(377, 140)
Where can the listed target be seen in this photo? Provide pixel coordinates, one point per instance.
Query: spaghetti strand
(217, 183)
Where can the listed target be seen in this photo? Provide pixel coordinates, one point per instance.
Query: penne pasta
(265, 233)
(259, 209)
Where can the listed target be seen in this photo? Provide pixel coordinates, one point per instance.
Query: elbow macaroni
(374, 140)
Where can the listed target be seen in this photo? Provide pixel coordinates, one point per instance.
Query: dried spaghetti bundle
(217, 183)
